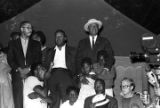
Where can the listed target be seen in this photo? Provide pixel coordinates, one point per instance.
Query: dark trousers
(58, 82)
(17, 93)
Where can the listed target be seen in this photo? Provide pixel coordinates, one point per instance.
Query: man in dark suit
(62, 69)
(23, 55)
(100, 99)
(89, 46)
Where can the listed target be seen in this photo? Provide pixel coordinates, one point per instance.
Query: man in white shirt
(62, 58)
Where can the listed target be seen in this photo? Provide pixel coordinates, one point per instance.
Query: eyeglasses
(125, 86)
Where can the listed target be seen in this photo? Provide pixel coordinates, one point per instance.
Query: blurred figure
(40, 36)
(6, 96)
(14, 35)
(129, 98)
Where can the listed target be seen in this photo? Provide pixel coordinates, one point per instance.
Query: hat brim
(99, 23)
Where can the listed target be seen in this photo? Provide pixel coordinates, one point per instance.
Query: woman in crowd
(6, 97)
(104, 73)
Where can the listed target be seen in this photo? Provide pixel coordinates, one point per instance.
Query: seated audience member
(35, 95)
(40, 36)
(100, 99)
(6, 96)
(103, 72)
(87, 79)
(72, 102)
(128, 97)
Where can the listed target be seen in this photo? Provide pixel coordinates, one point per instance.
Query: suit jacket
(17, 59)
(69, 56)
(84, 50)
(111, 104)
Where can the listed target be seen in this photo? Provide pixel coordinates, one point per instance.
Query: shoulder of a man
(35, 42)
(103, 38)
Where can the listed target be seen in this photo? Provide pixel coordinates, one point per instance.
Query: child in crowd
(35, 95)
(72, 102)
(102, 72)
(87, 79)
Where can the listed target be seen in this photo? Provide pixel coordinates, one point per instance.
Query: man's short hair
(23, 23)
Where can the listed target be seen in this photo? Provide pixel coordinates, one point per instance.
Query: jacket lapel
(28, 50)
(88, 43)
(97, 42)
(20, 47)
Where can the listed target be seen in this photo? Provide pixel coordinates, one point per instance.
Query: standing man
(89, 46)
(23, 55)
(62, 57)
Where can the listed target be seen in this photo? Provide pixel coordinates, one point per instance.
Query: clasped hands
(24, 71)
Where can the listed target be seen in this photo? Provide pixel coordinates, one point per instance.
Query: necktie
(92, 42)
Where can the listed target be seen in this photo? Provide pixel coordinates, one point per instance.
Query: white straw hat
(93, 21)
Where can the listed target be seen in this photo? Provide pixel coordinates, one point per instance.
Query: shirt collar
(95, 37)
(56, 47)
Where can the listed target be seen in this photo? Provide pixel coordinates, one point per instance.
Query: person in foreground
(72, 102)
(129, 98)
(100, 99)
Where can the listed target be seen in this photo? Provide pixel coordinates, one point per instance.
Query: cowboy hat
(93, 21)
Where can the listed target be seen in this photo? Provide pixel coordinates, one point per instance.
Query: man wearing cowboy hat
(89, 46)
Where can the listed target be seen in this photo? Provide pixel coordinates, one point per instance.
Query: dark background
(124, 21)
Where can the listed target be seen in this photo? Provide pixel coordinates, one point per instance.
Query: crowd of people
(33, 75)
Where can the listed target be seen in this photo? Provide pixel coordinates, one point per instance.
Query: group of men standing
(24, 55)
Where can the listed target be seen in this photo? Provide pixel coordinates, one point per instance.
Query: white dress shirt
(24, 43)
(90, 38)
(60, 58)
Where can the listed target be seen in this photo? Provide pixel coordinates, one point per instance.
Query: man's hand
(24, 71)
(33, 95)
